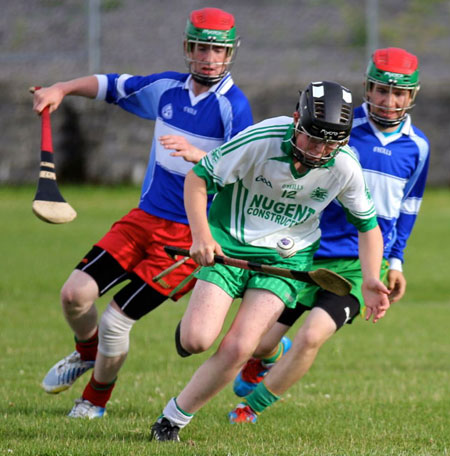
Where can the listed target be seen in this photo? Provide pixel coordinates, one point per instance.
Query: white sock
(175, 415)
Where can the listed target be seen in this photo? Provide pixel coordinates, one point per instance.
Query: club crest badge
(167, 111)
(319, 194)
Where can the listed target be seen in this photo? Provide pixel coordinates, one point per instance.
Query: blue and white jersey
(206, 121)
(395, 169)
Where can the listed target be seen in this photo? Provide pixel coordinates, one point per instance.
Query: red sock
(87, 348)
(98, 393)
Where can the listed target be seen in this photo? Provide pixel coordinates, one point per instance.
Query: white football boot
(64, 373)
(85, 409)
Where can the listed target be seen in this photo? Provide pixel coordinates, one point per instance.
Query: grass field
(379, 389)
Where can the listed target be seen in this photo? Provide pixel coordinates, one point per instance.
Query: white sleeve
(102, 86)
(356, 197)
(395, 264)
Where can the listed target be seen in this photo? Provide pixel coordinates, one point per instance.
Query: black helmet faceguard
(326, 115)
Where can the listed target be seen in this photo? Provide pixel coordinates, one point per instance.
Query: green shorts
(350, 269)
(234, 281)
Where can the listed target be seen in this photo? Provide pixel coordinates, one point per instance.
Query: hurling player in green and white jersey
(271, 181)
(394, 155)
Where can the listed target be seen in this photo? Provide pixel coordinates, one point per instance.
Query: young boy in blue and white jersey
(394, 156)
(193, 112)
(272, 180)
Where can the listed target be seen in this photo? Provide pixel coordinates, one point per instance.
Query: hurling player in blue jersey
(394, 155)
(193, 112)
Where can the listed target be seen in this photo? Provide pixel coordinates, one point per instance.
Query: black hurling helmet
(326, 115)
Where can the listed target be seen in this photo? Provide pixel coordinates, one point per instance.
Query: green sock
(276, 356)
(260, 398)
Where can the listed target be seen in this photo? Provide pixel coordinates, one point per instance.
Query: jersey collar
(405, 130)
(221, 87)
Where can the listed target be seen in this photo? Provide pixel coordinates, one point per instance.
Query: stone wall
(98, 143)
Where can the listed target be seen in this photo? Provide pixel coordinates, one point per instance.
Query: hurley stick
(324, 278)
(162, 274)
(48, 203)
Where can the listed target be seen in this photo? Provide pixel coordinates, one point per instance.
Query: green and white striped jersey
(262, 198)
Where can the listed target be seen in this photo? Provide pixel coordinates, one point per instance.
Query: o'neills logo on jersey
(382, 150)
(190, 110)
(292, 187)
(278, 212)
(167, 111)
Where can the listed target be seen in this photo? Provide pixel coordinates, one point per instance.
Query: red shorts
(137, 242)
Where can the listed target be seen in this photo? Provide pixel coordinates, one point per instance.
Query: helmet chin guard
(211, 27)
(392, 68)
(325, 119)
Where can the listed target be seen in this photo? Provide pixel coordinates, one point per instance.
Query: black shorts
(136, 299)
(342, 309)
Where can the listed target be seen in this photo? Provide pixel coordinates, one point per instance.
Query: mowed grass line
(375, 389)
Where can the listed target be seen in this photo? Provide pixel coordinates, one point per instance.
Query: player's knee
(114, 333)
(311, 338)
(78, 297)
(235, 350)
(191, 341)
(73, 301)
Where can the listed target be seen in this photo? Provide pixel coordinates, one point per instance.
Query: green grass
(379, 389)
